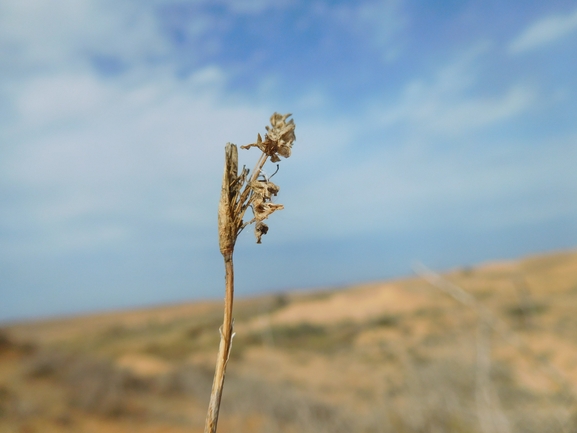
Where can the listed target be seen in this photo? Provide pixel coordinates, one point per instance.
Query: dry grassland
(397, 356)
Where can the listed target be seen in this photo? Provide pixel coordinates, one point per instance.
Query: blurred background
(440, 131)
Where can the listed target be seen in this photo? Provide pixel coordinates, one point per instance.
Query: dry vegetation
(399, 356)
(241, 191)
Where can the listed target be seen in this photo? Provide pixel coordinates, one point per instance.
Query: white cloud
(422, 155)
(470, 114)
(376, 23)
(425, 110)
(143, 154)
(250, 7)
(212, 77)
(92, 157)
(444, 106)
(385, 19)
(545, 31)
(57, 97)
(151, 149)
(398, 189)
(56, 34)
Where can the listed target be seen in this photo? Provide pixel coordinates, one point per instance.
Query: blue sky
(441, 131)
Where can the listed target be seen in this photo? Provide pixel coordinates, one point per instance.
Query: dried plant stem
(226, 331)
(242, 205)
(238, 194)
(226, 335)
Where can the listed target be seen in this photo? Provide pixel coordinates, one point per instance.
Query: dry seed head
(279, 138)
(264, 188)
(260, 229)
(262, 209)
(238, 193)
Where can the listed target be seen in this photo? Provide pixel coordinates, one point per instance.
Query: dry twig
(239, 192)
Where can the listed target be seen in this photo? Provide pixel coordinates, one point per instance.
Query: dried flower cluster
(239, 192)
(278, 139)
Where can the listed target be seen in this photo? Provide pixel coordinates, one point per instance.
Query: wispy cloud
(447, 104)
(545, 31)
(64, 34)
(379, 23)
(399, 189)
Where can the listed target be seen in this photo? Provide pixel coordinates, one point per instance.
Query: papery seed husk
(226, 225)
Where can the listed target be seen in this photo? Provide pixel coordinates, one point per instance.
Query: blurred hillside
(486, 349)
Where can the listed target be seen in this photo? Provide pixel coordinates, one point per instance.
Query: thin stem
(243, 200)
(226, 335)
(258, 166)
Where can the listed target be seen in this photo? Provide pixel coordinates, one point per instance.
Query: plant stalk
(226, 335)
(234, 201)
